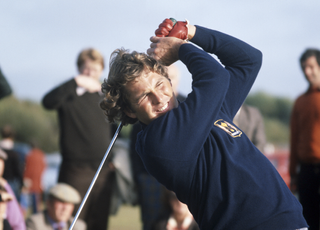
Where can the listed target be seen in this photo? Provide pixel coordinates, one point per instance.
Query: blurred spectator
(149, 189)
(250, 120)
(4, 198)
(13, 212)
(5, 89)
(84, 137)
(124, 191)
(12, 172)
(32, 178)
(177, 216)
(58, 213)
(305, 143)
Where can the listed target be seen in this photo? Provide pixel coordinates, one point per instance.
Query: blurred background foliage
(276, 112)
(33, 123)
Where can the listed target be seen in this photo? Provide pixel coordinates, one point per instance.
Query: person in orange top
(305, 141)
(32, 178)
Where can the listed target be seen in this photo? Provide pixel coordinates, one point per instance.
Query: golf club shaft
(96, 175)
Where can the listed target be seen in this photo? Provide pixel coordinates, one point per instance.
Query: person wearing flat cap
(60, 204)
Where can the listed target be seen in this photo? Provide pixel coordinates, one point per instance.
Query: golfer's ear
(130, 114)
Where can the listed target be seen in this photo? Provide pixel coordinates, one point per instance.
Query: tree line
(32, 122)
(276, 112)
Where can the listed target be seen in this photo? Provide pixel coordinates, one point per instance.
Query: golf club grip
(174, 21)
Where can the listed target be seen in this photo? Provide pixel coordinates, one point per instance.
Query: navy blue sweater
(196, 151)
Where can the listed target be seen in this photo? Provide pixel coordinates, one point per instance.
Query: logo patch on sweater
(228, 128)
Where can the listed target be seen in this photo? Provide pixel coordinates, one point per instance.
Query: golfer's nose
(156, 97)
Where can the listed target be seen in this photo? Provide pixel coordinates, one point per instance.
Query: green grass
(127, 218)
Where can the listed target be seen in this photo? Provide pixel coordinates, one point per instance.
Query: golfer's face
(151, 96)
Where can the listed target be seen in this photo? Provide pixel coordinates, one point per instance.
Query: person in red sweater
(32, 178)
(305, 143)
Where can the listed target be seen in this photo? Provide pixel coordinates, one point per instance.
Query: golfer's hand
(167, 29)
(182, 30)
(90, 84)
(165, 49)
(164, 28)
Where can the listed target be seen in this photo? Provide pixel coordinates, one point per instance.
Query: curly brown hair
(125, 67)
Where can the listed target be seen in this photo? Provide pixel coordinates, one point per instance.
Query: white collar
(7, 144)
(80, 91)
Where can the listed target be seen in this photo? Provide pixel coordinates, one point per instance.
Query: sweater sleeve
(55, 98)
(215, 87)
(241, 61)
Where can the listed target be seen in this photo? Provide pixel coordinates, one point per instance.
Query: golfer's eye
(143, 98)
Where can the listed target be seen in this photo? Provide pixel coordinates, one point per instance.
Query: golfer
(193, 147)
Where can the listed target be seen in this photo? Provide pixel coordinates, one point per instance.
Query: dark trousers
(150, 198)
(309, 194)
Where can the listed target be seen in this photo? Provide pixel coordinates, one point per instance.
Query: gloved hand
(172, 28)
(164, 28)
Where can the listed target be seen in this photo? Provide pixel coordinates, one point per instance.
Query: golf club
(96, 175)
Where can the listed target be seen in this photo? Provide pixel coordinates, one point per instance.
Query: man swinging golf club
(193, 147)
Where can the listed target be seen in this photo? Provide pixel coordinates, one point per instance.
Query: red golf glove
(168, 29)
(164, 28)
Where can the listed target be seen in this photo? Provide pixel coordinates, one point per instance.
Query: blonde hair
(91, 54)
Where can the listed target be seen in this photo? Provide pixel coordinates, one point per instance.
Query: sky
(40, 40)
